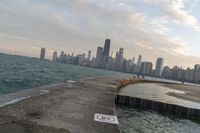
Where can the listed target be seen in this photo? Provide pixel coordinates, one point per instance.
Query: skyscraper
(42, 54)
(55, 56)
(146, 68)
(62, 55)
(89, 55)
(119, 59)
(167, 72)
(159, 67)
(99, 54)
(139, 60)
(106, 51)
(133, 60)
(197, 73)
(121, 52)
(124, 66)
(189, 74)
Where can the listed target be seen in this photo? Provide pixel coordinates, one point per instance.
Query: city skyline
(152, 28)
(104, 60)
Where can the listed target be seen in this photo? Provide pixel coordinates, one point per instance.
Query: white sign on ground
(106, 118)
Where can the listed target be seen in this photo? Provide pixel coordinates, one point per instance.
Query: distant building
(159, 67)
(42, 54)
(146, 68)
(62, 55)
(80, 59)
(136, 69)
(149, 68)
(93, 62)
(139, 60)
(99, 55)
(119, 59)
(106, 52)
(197, 73)
(130, 65)
(55, 56)
(125, 66)
(89, 55)
(181, 74)
(133, 61)
(174, 72)
(83, 55)
(110, 64)
(189, 75)
(166, 72)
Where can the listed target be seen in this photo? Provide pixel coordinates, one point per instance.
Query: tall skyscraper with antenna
(106, 52)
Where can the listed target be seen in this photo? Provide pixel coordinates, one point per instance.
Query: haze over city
(170, 30)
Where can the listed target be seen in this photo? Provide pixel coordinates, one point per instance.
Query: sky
(152, 28)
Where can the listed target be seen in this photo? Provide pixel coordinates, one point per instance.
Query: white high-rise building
(159, 67)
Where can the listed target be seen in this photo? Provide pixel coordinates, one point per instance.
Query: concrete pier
(67, 108)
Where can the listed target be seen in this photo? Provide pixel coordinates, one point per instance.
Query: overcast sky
(153, 28)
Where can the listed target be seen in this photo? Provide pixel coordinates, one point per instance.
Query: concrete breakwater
(137, 102)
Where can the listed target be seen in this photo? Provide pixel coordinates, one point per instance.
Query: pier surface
(67, 108)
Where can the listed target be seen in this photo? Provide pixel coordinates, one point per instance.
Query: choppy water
(18, 73)
(140, 121)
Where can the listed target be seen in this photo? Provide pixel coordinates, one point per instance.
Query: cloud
(80, 25)
(175, 10)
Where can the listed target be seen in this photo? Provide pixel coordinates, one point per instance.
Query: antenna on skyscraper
(108, 37)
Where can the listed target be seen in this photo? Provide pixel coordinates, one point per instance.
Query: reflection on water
(140, 121)
(156, 92)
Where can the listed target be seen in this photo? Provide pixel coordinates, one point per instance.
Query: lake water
(140, 121)
(18, 73)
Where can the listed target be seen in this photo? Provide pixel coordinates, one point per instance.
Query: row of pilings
(177, 110)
